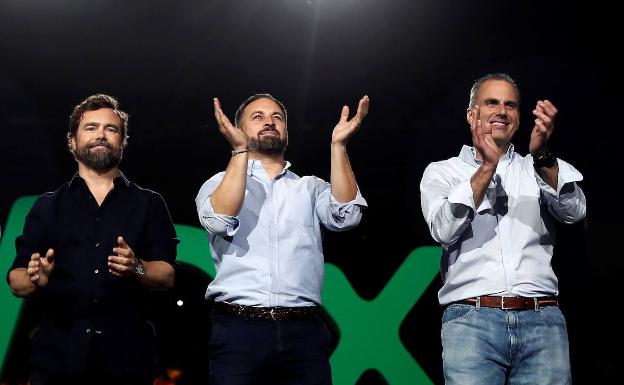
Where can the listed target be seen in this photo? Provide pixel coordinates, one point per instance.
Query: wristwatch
(139, 269)
(544, 158)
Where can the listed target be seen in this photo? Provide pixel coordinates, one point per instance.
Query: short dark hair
(93, 103)
(493, 76)
(239, 112)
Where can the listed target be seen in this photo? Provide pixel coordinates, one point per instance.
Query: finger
(35, 256)
(217, 110)
(122, 242)
(118, 269)
(114, 272)
(122, 261)
(541, 128)
(539, 113)
(362, 110)
(49, 258)
(34, 278)
(548, 107)
(344, 114)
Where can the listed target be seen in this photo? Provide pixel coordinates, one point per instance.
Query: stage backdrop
(165, 61)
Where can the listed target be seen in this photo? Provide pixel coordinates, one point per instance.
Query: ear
(469, 115)
(71, 144)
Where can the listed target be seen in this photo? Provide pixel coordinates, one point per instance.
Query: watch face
(139, 271)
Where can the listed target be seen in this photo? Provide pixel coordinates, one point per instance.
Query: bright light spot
(180, 302)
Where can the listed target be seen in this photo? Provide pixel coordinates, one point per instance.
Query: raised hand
(545, 113)
(123, 263)
(234, 135)
(482, 139)
(39, 269)
(345, 128)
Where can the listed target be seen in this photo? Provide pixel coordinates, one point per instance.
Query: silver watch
(139, 269)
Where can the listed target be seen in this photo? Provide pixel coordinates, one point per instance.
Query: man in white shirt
(492, 210)
(264, 227)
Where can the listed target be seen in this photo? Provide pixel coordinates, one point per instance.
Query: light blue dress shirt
(504, 246)
(271, 254)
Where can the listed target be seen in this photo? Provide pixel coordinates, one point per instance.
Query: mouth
(268, 133)
(499, 124)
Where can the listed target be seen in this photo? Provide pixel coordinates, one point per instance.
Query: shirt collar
(120, 180)
(469, 155)
(254, 166)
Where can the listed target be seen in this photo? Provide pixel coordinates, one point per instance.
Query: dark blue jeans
(245, 351)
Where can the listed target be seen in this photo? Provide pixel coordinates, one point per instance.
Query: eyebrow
(272, 113)
(94, 123)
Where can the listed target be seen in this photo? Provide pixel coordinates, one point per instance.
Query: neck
(100, 183)
(273, 163)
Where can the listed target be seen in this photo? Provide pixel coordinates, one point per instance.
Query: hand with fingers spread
(124, 262)
(39, 269)
(482, 139)
(545, 113)
(346, 127)
(234, 135)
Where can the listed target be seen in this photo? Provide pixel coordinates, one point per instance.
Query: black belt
(271, 313)
(511, 303)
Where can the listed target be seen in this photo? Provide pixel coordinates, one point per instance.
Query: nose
(500, 109)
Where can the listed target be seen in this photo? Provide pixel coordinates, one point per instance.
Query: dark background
(165, 60)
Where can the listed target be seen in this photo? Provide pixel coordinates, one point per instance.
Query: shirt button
(96, 271)
(88, 331)
(97, 244)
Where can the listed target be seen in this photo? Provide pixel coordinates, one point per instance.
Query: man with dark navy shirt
(86, 256)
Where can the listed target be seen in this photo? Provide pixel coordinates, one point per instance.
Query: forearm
(480, 181)
(550, 175)
(228, 198)
(20, 283)
(158, 274)
(342, 179)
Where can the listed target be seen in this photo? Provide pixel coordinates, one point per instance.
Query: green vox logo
(369, 330)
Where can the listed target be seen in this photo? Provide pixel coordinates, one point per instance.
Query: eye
(112, 129)
(90, 127)
(256, 117)
(511, 106)
(490, 102)
(278, 117)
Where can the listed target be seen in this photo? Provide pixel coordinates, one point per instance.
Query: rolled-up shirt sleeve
(567, 204)
(447, 208)
(215, 223)
(336, 216)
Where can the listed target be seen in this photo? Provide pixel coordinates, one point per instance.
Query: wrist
(240, 150)
(139, 270)
(543, 158)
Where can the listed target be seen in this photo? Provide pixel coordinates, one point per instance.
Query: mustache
(268, 129)
(100, 142)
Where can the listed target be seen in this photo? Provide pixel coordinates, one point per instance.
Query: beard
(268, 145)
(101, 159)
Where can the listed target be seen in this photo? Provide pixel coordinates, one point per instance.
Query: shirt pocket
(298, 208)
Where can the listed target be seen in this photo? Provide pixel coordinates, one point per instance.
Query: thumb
(50, 255)
(344, 114)
(122, 243)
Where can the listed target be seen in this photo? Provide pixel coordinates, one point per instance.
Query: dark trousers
(245, 351)
(90, 375)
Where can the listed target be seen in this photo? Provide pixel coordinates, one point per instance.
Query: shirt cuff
(462, 194)
(341, 209)
(567, 174)
(224, 224)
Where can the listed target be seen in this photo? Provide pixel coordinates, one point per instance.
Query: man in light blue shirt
(493, 211)
(264, 227)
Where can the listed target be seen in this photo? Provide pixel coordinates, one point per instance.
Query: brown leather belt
(271, 313)
(511, 303)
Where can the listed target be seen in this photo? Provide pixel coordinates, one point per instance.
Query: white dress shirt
(504, 246)
(271, 254)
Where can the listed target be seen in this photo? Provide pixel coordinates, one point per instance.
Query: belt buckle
(503, 302)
